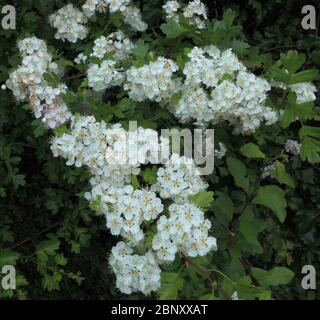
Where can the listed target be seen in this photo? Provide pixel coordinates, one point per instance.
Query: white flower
(218, 88)
(27, 83)
(80, 58)
(132, 14)
(305, 91)
(195, 11)
(70, 24)
(179, 179)
(116, 43)
(292, 146)
(104, 76)
(134, 272)
(221, 152)
(186, 231)
(171, 9)
(153, 81)
(269, 171)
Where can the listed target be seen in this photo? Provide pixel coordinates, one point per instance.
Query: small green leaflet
(203, 199)
(274, 277)
(251, 150)
(172, 29)
(293, 109)
(47, 248)
(282, 176)
(8, 257)
(250, 227)
(239, 172)
(141, 49)
(223, 208)
(310, 148)
(272, 197)
(171, 284)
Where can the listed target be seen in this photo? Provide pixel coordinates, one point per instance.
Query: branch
(205, 274)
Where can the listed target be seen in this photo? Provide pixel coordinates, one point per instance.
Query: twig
(76, 76)
(36, 235)
(206, 275)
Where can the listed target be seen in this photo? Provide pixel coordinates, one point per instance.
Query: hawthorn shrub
(252, 73)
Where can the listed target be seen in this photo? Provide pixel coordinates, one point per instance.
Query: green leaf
(75, 247)
(171, 284)
(18, 180)
(172, 29)
(250, 227)
(47, 248)
(135, 183)
(307, 131)
(272, 197)
(278, 74)
(276, 276)
(60, 131)
(60, 260)
(304, 76)
(39, 129)
(50, 282)
(282, 176)
(141, 49)
(8, 257)
(310, 148)
(251, 150)
(280, 275)
(150, 175)
(52, 79)
(304, 111)
(239, 172)
(239, 46)
(203, 199)
(292, 60)
(223, 208)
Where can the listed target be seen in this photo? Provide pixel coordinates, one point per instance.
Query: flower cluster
(221, 152)
(104, 76)
(70, 24)
(195, 11)
(179, 179)
(305, 91)
(81, 58)
(218, 88)
(134, 272)
(130, 211)
(132, 15)
(102, 149)
(27, 83)
(269, 171)
(115, 43)
(153, 81)
(185, 231)
(292, 146)
(91, 6)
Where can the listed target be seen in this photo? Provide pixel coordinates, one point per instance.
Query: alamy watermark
(8, 280)
(308, 282)
(8, 19)
(309, 20)
(198, 144)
